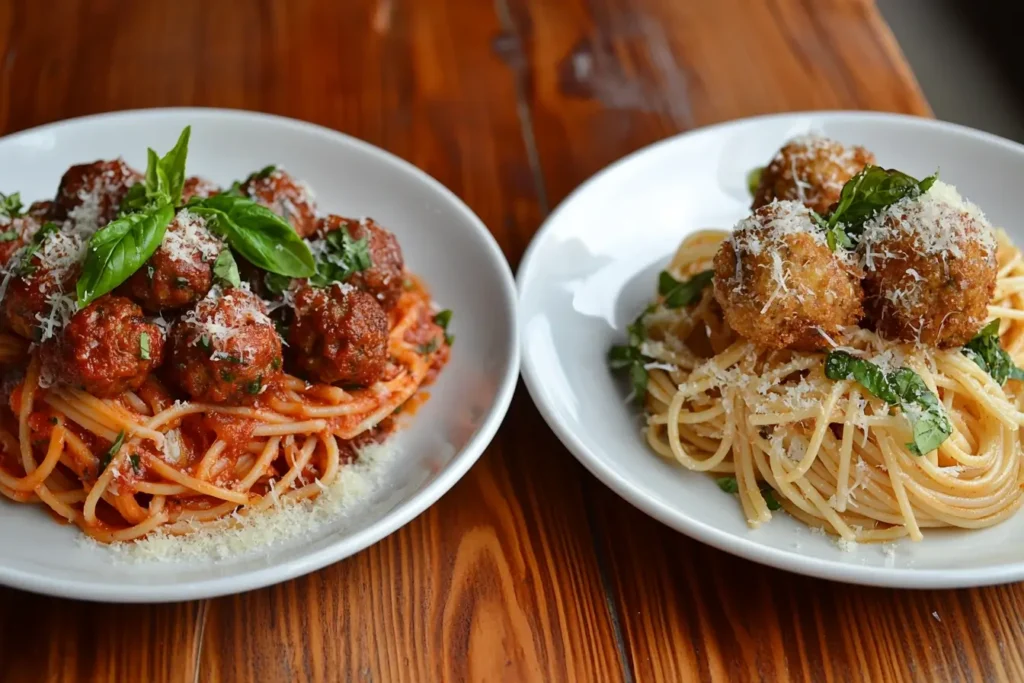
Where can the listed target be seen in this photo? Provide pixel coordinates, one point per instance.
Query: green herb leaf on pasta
(987, 353)
(119, 249)
(258, 234)
(226, 270)
(144, 346)
(629, 357)
(871, 191)
(10, 205)
(110, 453)
(728, 484)
(678, 293)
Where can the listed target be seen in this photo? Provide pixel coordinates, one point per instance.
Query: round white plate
(594, 264)
(443, 242)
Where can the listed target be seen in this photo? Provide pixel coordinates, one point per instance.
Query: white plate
(443, 241)
(593, 267)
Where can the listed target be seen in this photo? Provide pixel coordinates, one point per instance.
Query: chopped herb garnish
(10, 205)
(110, 453)
(903, 388)
(442, 319)
(770, 500)
(678, 293)
(25, 266)
(754, 179)
(226, 270)
(8, 236)
(227, 376)
(341, 258)
(265, 172)
(428, 348)
(144, 346)
(254, 386)
(990, 356)
(136, 465)
(867, 193)
(629, 357)
(276, 284)
(728, 484)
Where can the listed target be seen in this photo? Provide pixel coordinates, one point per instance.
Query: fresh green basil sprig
(990, 356)
(903, 388)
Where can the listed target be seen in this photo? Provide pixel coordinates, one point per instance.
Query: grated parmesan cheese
(188, 237)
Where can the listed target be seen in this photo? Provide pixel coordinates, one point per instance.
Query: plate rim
(403, 513)
(746, 548)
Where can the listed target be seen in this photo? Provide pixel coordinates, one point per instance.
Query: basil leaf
(903, 388)
(8, 236)
(276, 284)
(25, 266)
(155, 184)
(110, 453)
(728, 484)
(987, 353)
(172, 167)
(226, 270)
(135, 460)
(870, 191)
(754, 179)
(770, 499)
(264, 172)
(164, 179)
(119, 249)
(10, 205)
(262, 237)
(144, 346)
(678, 293)
(341, 257)
(629, 357)
(442, 319)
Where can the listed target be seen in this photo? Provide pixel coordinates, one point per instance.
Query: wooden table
(529, 569)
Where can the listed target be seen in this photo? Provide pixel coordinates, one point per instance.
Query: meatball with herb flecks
(379, 268)
(107, 348)
(225, 350)
(811, 170)
(780, 285)
(180, 272)
(339, 334)
(42, 283)
(289, 198)
(90, 195)
(930, 268)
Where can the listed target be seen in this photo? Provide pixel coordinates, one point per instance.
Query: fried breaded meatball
(340, 334)
(46, 279)
(780, 286)
(930, 269)
(384, 278)
(198, 187)
(275, 189)
(811, 170)
(180, 272)
(226, 349)
(106, 348)
(90, 195)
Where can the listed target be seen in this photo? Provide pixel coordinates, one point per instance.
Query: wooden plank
(500, 579)
(610, 76)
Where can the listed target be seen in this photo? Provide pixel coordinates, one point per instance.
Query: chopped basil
(226, 270)
(770, 500)
(754, 179)
(903, 388)
(678, 293)
(442, 319)
(254, 386)
(110, 453)
(8, 236)
(10, 205)
(276, 284)
(341, 257)
(428, 348)
(227, 376)
(869, 192)
(258, 234)
(25, 266)
(987, 353)
(144, 346)
(628, 356)
(276, 363)
(728, 484)
(136, 464)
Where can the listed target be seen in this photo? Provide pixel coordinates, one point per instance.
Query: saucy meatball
(930, 264)
(180, 272)
(339, 334)
(275, 189)
(811, 170)
(16, 233)
(384, 277)
(90, 195)
(780, 286)
(198, 187)
(106, 348)
(225, 350)
(43, 282)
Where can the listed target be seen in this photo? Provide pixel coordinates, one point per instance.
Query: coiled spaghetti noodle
(835, 455)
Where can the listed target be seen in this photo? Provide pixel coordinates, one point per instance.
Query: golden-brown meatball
(930, 265)
(780, 286)
(811, 170)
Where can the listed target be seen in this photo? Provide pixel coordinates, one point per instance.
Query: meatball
(275, 189)
(930, 265)
(90, 195)
(16, 233)
(43, 283)
(226, 349)
(106, 349)
(43, 210)
(198, 187)
(385, 275)
(780, 286)
(340, 334)
(180, 272)
(811, 170)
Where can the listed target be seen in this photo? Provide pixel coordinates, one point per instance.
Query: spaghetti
(833, 455)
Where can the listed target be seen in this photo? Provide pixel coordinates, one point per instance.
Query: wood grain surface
(528, 570)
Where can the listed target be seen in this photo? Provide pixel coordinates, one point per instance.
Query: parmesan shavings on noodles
(246, 533)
